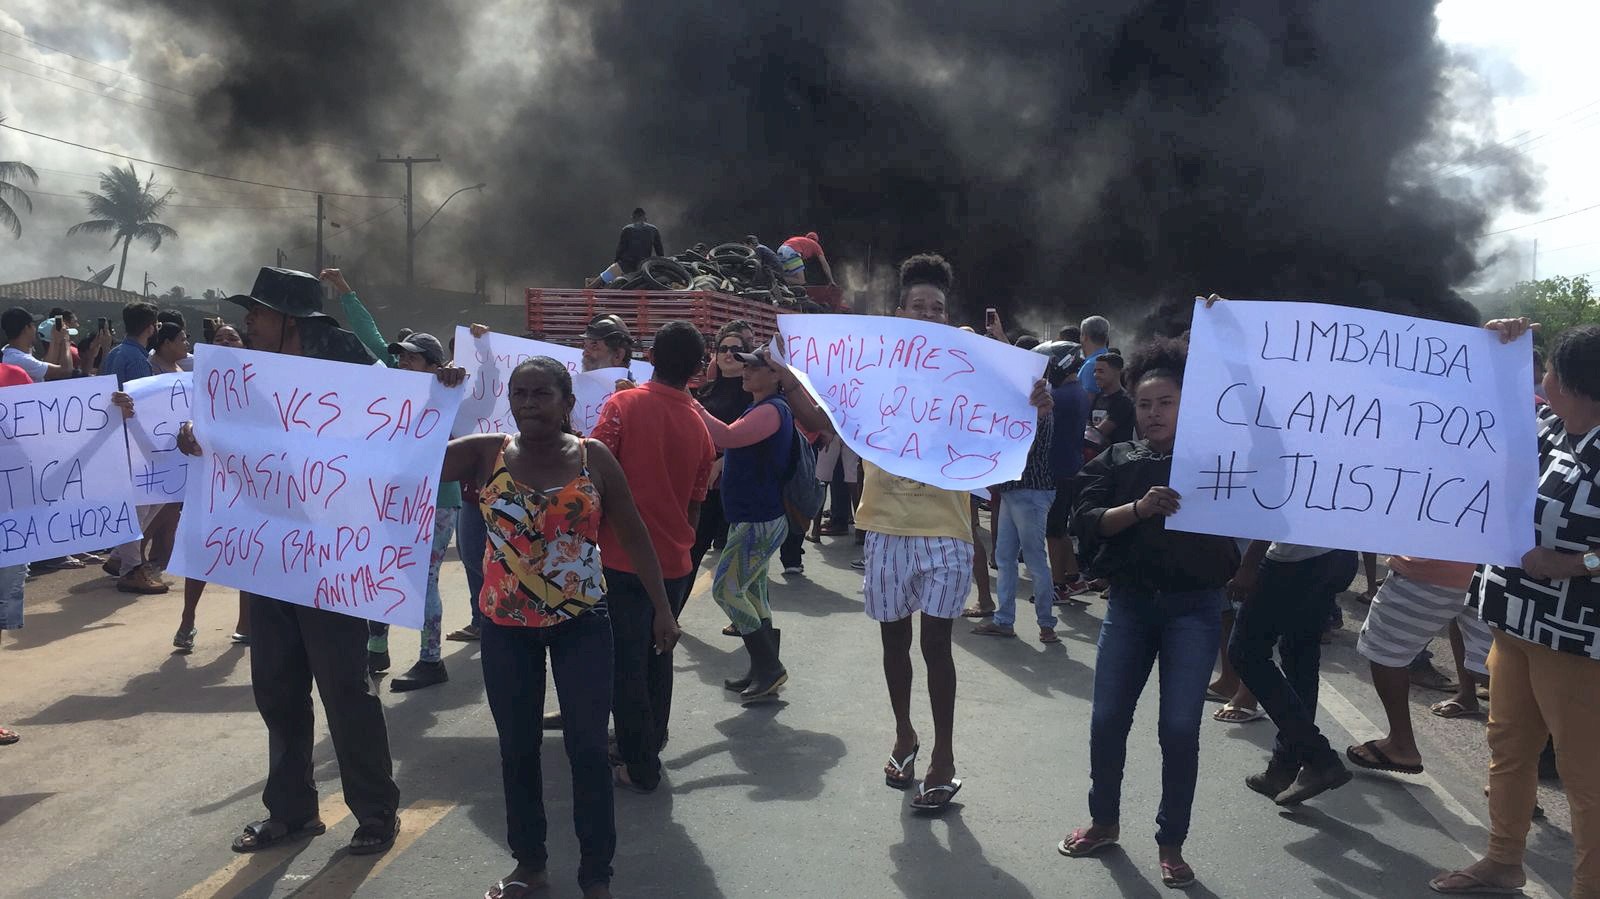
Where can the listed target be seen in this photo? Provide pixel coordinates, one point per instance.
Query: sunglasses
(730, 349)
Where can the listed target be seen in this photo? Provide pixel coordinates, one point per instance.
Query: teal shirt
(361, 323)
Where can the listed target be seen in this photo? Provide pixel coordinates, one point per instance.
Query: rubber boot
(767, 674)
(738, 686)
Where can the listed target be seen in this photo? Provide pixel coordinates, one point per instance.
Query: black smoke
(1113, 156)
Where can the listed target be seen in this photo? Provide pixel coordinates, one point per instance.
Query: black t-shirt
(1119, 408)
(639, 241)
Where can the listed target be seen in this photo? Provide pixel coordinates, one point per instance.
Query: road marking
(1457, 820)
(344, 878)
(246, 869)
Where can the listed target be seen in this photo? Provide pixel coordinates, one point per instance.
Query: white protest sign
(160, 406)
(1353, 429)
(65, 486)
(317, 481)
(489, 361)
(923, 401)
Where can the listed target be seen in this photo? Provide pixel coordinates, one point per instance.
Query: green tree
(1558, 304)
(10, 193)
(127, 209)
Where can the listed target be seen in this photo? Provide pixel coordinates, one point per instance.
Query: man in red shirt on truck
(804, 262)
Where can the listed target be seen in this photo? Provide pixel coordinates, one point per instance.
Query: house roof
(61, 290)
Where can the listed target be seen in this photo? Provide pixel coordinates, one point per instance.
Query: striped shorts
(1406, 614)
(930, 575)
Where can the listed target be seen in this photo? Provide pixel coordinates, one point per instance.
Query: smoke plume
(1095, 155)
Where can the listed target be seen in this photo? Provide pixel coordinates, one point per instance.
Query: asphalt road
(138, 766)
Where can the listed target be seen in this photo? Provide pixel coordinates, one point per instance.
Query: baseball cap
(14, 320)
(425, 345)
(48, 328)
(606, 327)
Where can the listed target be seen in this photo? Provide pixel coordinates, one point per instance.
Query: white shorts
(1407, 614)
(931, 575)
(830, 456)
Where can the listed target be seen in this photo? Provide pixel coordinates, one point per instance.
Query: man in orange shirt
(657, 436)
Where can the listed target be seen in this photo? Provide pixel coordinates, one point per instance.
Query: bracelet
(1136, 515)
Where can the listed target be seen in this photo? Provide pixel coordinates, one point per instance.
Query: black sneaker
(422, 674)
(377, 662)
(1314, 781)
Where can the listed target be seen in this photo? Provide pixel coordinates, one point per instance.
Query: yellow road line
(345, 878)
(244, 870)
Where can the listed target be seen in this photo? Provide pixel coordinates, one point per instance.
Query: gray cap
(425, 345)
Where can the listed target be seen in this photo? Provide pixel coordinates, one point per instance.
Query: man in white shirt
(20, 332)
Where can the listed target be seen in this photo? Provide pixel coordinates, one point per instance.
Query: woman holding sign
(545, 492)
(1165, 604)
(756, 450)
(1544, 665)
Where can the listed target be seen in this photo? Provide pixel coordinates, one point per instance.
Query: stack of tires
(730, 268)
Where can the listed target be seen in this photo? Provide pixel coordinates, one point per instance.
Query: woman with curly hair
(1165, 604)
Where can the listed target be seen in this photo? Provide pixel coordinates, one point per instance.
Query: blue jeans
(513, 681)
(472, 537)
(12, 579)
(1183, 631)
(444, 523)
(1023, 516)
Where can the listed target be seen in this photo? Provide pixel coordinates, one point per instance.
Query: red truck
(559, 315)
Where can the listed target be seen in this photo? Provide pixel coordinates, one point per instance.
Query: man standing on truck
(804, 262)
(639, 241)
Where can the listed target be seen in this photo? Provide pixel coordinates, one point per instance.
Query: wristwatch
(1591, 561)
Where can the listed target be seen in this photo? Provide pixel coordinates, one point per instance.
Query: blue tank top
(753, 476)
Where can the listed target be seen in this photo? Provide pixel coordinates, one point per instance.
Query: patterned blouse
(542, 563)
(1563, 615)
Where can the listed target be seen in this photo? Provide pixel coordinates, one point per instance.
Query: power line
(179, 168)
(104, 84)
(23, 37)
(84, 90)
(1542, 221)
(346, 229)
(35, 192)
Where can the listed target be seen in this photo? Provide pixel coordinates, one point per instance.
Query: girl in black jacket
(1165, 604)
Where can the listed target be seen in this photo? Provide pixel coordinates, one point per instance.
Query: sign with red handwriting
(65, 485)
(1354, 429)
(489, 361)
(923, 401)
(317, 481)
(160, 406)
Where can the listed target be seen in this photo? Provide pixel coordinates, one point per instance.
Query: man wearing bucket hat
(292, 645)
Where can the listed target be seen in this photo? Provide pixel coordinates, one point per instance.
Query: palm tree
(11, 193)
(127, 209)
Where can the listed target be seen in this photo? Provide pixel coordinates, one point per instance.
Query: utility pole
(319, 234)
(1536, 259)
(411, 234)
(280, 257)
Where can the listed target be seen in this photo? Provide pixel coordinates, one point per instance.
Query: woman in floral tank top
(544, 493)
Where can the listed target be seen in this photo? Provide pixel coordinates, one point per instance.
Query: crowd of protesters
(585, 549)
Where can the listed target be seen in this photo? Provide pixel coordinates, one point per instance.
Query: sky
(1546, 105)
(1538, 57)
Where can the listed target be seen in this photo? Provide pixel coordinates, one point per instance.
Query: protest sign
(1354, 429)
(160, 405)
(489, 361)
(923, 401)
(65, 485)
(317, 481)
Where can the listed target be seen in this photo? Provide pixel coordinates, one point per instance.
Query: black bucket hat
(286, 291)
